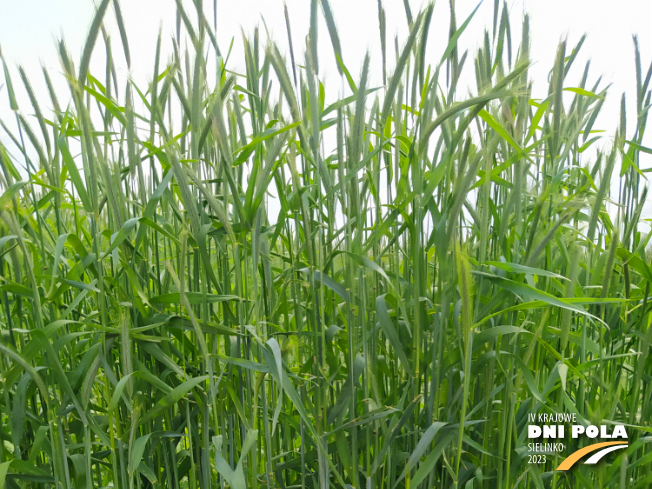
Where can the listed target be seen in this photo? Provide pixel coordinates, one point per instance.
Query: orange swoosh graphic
(575, 456)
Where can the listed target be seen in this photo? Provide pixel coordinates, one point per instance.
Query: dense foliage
(225, 281)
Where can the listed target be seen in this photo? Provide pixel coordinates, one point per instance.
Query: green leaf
(193, 298)
(117, 393)
(246, 150)
(4, 468)
(534, 123)
(581, 91)
(18, 289)
(529, 380)
(639, 147)
(74, 174)
(496, 126)
(121, 235)
(634, 262)
(491, 334)
(516, 268)
(424, 444)
(59, 373)
(528, 292)
(8, 195)
(390, 332)
(137, 451)
(172, 398)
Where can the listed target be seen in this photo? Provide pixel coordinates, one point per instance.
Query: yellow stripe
(575, 456)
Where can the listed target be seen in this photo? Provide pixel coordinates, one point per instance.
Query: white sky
(29, 29)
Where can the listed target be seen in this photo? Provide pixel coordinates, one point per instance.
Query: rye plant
(225, 280)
